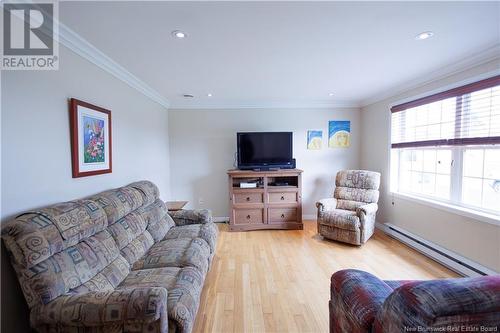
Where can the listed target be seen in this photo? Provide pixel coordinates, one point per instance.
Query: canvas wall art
(90, 139)
(339, 134)
(314, 139)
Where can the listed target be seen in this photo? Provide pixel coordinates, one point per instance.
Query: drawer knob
(248, 198)
(282, 216)
(248, 217)
(282, 197)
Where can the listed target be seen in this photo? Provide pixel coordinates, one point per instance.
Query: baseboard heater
(453, 261)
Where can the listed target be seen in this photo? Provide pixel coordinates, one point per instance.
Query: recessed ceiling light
(209, 95)
(179, 34)
(330, 94)
(424, 35)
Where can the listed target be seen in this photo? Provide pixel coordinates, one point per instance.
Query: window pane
(443, 186)
(429, 160)
(434, 115)
(405, 181)
(473, 162)
(428, 183)
(471, 191)
(491, 194)
(417, 160)
(443, 161)
(416, 182)
(492, 163)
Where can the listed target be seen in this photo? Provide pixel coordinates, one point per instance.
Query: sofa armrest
(356, 297)
(433, 305)
(103, 308)
(327, 204)
(191, 216)
(368, 209)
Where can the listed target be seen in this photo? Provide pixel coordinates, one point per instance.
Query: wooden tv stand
(275, 204)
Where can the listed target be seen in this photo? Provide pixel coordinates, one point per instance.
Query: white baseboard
(448, 258)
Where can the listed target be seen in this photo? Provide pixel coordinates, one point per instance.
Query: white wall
(36, 156)
(470, 238)
(203, 144)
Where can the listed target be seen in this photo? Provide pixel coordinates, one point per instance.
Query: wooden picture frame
(90, 131)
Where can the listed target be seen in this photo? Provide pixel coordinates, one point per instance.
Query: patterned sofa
(113, 262)
(349, 216)
(360, 302)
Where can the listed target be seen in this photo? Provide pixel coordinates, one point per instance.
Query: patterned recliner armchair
(350, 215)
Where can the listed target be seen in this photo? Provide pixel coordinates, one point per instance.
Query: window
(446, 147)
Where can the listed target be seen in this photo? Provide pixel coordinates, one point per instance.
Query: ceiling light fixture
(330, 94)
(209, 95)
(424, 35)
(179, 34)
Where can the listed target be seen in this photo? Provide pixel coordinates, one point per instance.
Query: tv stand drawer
(279, 215)
(282, 197)
(248, 198)
(248, 216)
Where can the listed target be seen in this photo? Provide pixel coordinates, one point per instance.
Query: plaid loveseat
(362, 303)
(113, 262)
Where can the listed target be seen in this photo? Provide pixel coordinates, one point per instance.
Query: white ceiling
(283, 54)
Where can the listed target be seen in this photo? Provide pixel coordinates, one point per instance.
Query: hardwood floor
(279, 281)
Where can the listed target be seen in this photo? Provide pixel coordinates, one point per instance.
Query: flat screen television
(265, 150)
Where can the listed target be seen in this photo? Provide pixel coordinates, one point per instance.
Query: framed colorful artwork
(339, 134)
(314, 139)
(90, 128)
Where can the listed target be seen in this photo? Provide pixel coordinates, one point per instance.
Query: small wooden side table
(175, 205)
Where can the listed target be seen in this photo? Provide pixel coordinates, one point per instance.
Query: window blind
(468, 115)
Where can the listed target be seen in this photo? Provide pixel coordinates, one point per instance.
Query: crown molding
(264, 105)
(86, 50)
(489, 54)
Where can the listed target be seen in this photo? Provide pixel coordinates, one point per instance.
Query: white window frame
(454, 205)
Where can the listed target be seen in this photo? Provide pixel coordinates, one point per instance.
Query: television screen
(264, 148)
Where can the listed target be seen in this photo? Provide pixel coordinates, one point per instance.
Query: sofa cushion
(149, 191)
(157, 218)
(137, 247)
(184, 287)
(107, 279)
(180, 252)
(207, 232)
(342, 219)
(118, 202)
(35, 236)
(127, 229)
(67, 269)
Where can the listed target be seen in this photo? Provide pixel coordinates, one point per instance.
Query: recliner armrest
(327, 204)
(367, 209)
(101, 308)
(191, 216)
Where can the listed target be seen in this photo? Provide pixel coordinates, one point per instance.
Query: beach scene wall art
(314, 139)
(339, 134)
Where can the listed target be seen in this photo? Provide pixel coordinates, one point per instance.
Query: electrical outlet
(201, 201)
